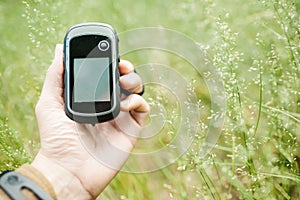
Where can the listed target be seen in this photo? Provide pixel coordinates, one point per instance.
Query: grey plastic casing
(92, 29)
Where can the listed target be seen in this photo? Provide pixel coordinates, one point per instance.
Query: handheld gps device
(91, 76)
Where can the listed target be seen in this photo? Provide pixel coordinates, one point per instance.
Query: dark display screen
(91, 80)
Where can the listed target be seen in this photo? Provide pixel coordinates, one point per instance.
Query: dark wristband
(12, 184)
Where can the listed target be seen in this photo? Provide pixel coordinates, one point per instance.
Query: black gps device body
(91, 75)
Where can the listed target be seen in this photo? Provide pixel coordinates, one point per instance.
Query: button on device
(103, 45)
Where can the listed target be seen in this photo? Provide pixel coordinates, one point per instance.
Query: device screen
(91, 80)
(90, 59)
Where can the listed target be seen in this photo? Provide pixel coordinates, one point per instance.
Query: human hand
(81, 159)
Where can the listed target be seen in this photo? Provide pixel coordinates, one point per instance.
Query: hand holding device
(66, 163)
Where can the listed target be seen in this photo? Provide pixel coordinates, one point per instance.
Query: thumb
(53, 85)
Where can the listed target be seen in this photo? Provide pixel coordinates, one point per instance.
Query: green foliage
(12, 150)
(253, 44)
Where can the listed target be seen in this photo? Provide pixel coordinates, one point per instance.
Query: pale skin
(66, 155)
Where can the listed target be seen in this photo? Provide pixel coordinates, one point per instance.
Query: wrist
(65, 184)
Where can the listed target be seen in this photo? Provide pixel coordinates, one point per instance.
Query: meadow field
(253, 47)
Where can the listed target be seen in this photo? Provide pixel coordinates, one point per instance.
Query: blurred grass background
(254, 44)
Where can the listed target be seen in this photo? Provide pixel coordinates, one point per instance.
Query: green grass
(255, 47)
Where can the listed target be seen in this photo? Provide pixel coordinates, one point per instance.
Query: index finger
(125, 67)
